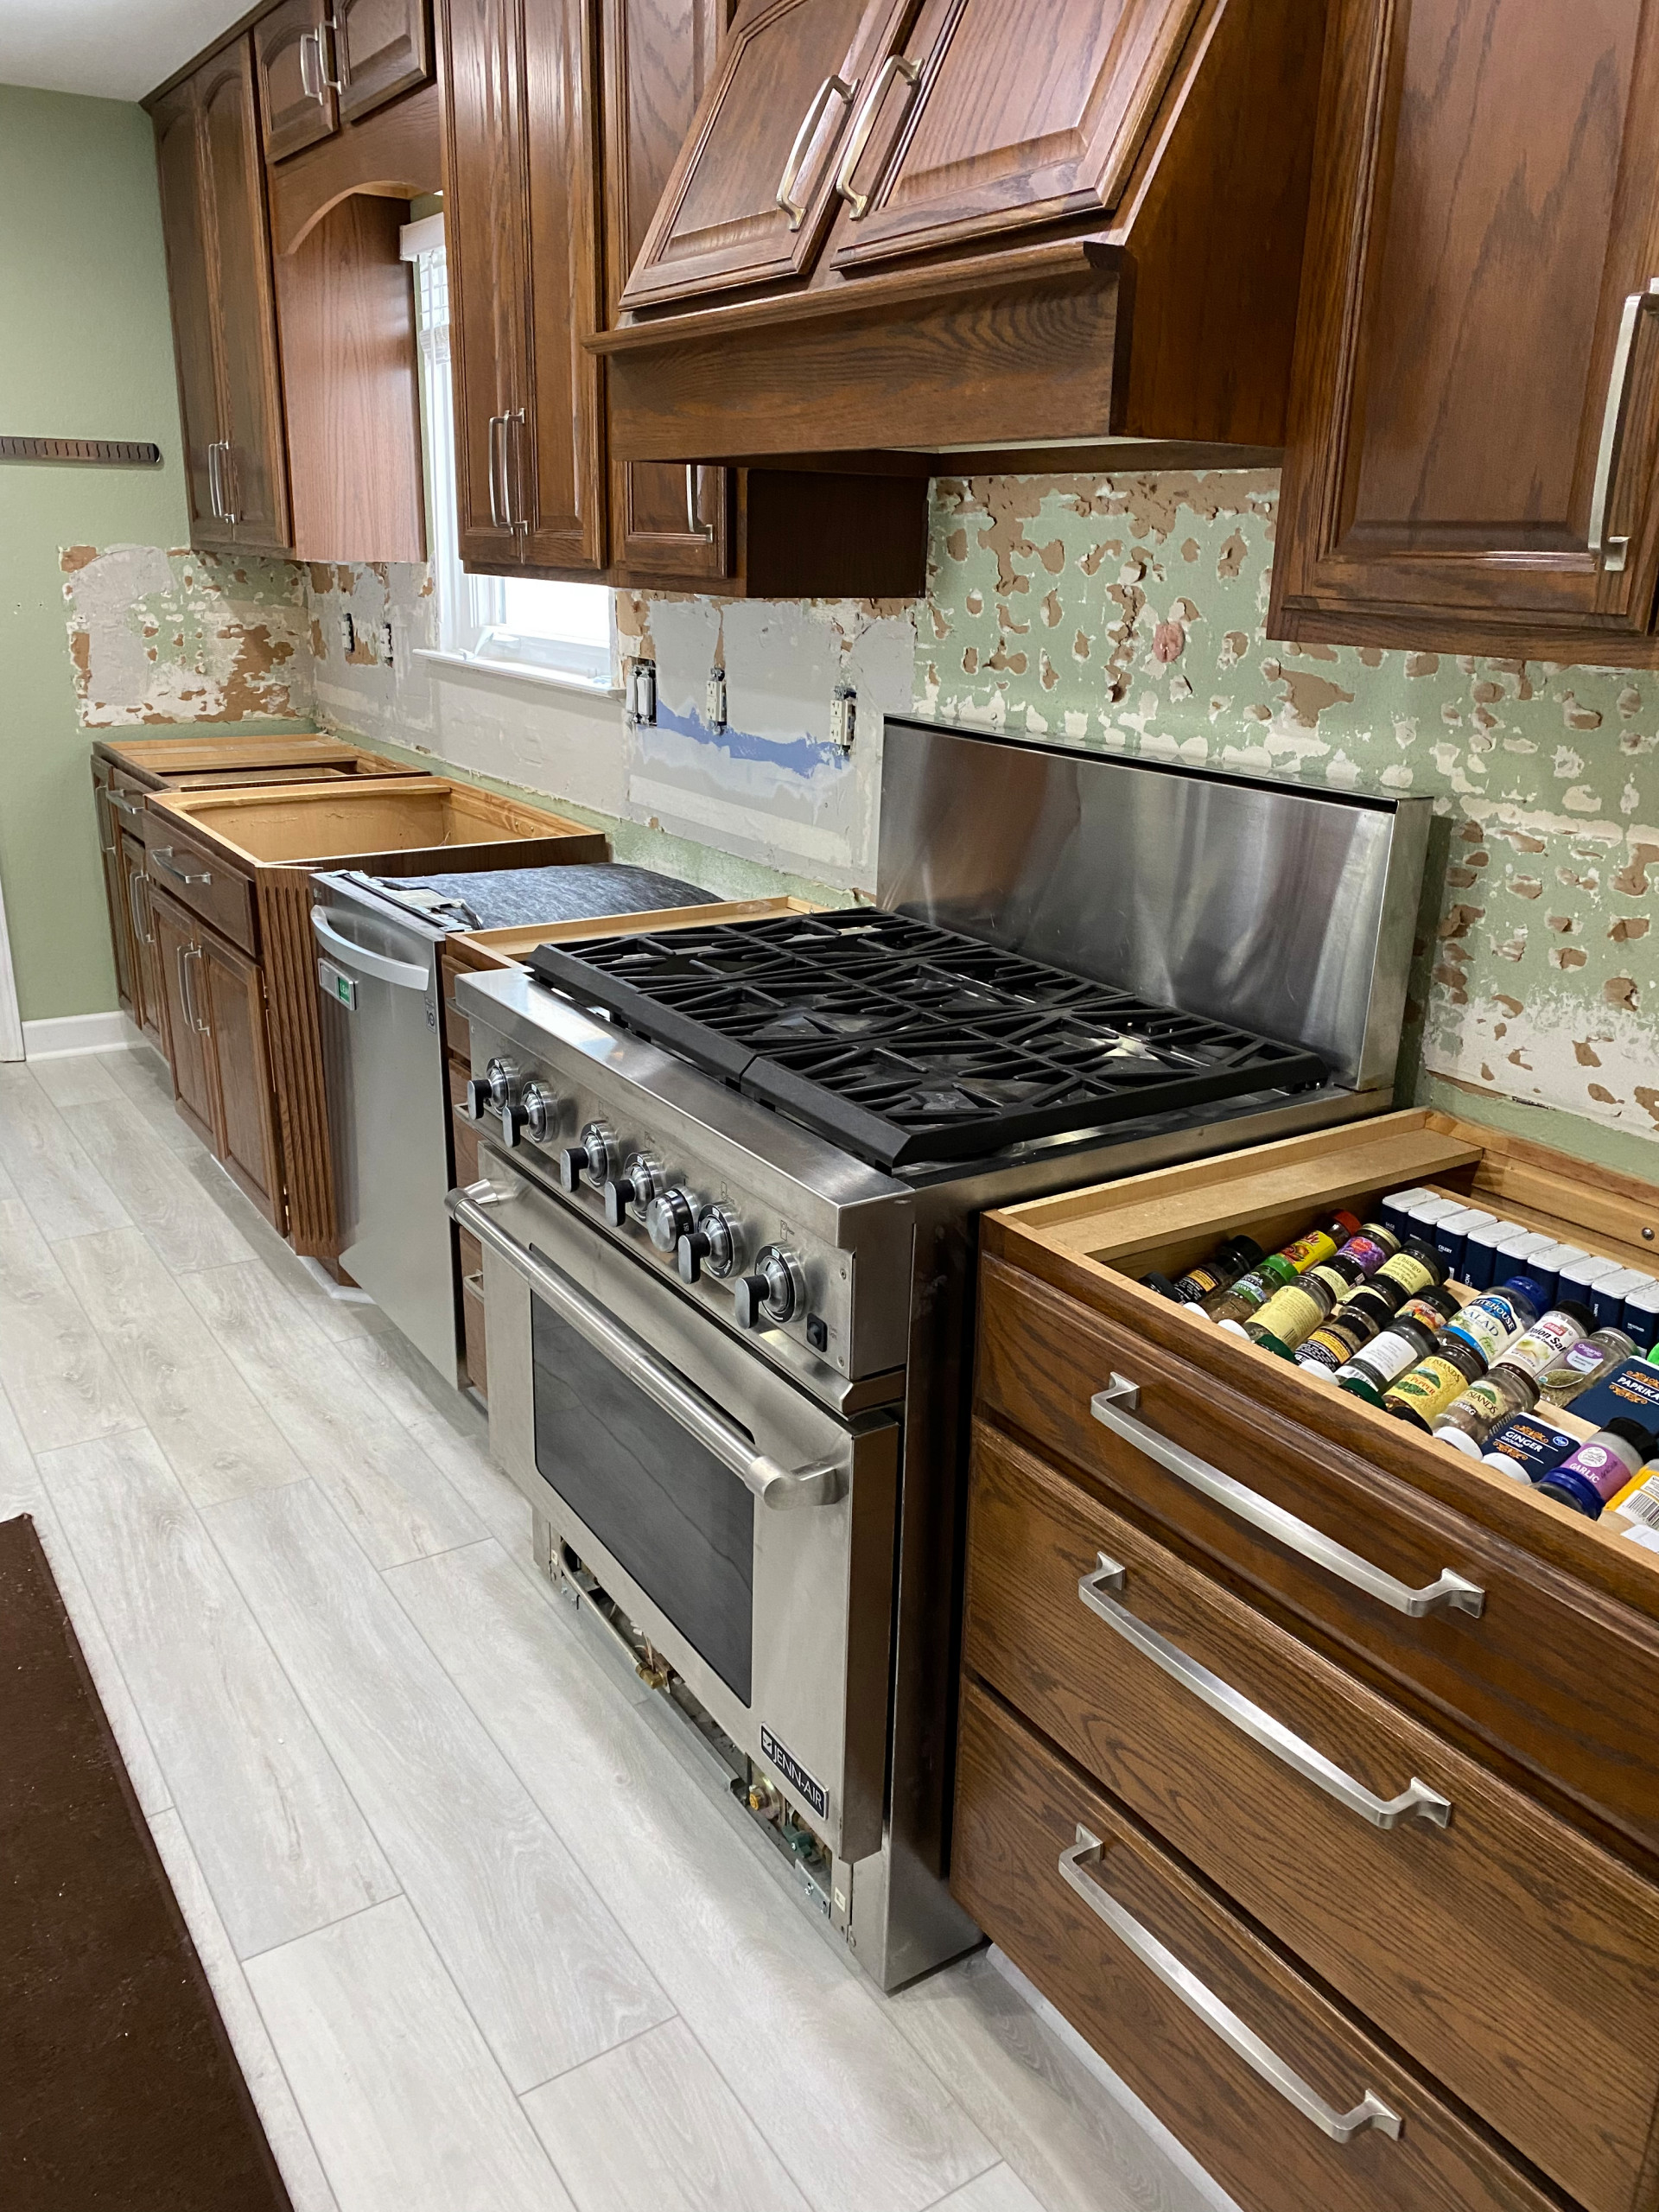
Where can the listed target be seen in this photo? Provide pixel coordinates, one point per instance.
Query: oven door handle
(822, 1483)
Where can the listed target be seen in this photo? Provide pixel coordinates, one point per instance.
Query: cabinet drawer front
(1551, 1672)
(1019, 1812)
(1486, 1946)
(200, 879)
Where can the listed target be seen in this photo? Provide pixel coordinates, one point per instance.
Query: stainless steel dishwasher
(378, 941)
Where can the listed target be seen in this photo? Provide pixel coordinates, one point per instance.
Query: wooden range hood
(1084, 219)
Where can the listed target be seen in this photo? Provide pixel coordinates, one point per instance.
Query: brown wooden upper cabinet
(1475, 435)
(526, 280)
(753, 192)
(212, 186)
(323, 63)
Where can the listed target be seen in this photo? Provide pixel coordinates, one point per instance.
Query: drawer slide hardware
(1249, 1719)
(1076, 1867)
(1115, 1408)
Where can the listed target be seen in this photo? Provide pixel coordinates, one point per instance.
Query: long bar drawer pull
(162, 856)
(1076, 1870)
(1115, 1408)
(1249, 1719)
(784, 1489)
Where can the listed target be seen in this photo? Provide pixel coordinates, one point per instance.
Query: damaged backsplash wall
(1127, 614)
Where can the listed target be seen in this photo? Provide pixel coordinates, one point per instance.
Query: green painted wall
(85, 350)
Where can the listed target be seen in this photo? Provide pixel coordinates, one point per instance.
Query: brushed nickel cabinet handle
(162, 856)
(1115, 1408)
(695, 524)
(193, 957)
(311, 79)
(1077, 1866)
(832, 88)
(497, 448)
(215, 495)
(1097, 1590)
(1612, 552)
(784, 1489)
(513, 472)
(896, 65)
(228, 483)
(337, 82)
(135, 885)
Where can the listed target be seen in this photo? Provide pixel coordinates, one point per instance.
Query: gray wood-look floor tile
(409, 2111)
(548, 1976)
(141, 1074)
(283, 1847)
(65, 1192)
(393, 1499)
(62, 1383)
(1000, 2191)
(157, 1187)
(75, 1079)
(23, 1490)
(1077, 2147)
(809, 2051)
(455, 1435)
(220, 1440)
(285, 2131)
(652, 2127)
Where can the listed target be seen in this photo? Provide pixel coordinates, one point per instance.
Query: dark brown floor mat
(118, 2088)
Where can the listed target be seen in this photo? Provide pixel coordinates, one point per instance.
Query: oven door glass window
(678, 1520)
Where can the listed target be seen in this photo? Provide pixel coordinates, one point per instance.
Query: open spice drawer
(1524, 1630)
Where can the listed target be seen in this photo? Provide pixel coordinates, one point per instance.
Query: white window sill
(540, 679)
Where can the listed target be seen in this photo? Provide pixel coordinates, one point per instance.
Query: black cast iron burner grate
(907, 1043)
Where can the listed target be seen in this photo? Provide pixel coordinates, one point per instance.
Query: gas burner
(904, 1043)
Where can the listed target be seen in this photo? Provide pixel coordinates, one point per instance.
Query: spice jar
(1499, 1318)
(1373, 1245)
(1585, 1363)
(1424, 1392)
(1543, 1344)
(1220, 1271)
(1335, 1343)
(1399, 1348)
(1601, 1468)
(1291, 1316)
(1415, 1267)
(1498, 1397)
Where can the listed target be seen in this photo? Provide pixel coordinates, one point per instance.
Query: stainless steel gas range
(731, 1183)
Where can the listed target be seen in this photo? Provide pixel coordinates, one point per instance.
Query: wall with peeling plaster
(87, 352)
(1127, 614)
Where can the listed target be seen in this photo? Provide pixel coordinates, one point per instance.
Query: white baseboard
(63, 1033)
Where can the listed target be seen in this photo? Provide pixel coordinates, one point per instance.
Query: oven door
(743, 1528)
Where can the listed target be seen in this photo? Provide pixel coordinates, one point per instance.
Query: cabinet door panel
(556, 443)
(290, 51)
(233, 990)
(186, 226)
(115, 891)
(135, 900)
(1472, 249)
(483, 69)
(384, 47)
(658, 58)
(178, 969)
(722, 221)
(999, 134)
(240, 260)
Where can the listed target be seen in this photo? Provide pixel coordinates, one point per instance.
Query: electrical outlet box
(844, 716)
(385, 643)
(642, 692)
(715, 700)
(347, 634)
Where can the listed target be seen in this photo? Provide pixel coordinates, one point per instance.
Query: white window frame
(567, 646)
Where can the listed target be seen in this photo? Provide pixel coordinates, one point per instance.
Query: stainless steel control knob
(714, 1243)
(478, 1097)
(594, 1156)
(670, 1215)
(774, 1293)
(501, 1076)
(540, 1109)
(636, 1185)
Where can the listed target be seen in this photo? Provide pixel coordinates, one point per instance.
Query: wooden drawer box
(1022, 1814)
(1488, 1941)
(199, 878)
(1553, 1666)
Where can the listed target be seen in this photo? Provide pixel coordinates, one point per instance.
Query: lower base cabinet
(213, 1003)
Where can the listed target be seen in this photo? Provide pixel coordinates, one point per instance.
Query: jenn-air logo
(810, 1792)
